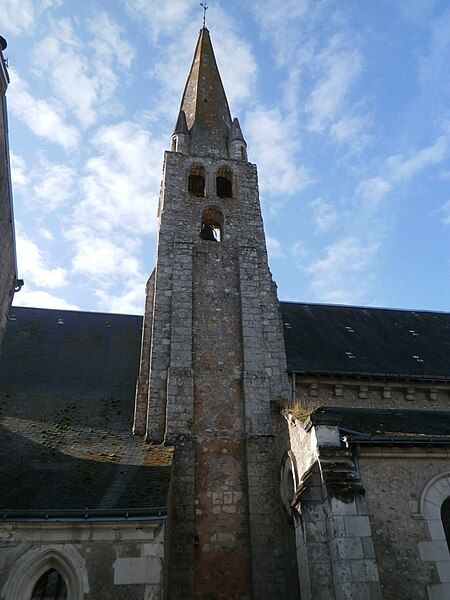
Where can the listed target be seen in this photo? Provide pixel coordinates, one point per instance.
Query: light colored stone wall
(117, 561)
(335, 552)
(394, 479)
(313, 392)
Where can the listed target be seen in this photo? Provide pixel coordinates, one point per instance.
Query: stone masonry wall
(216, 362)
(118, 561)
(7, 250)
(394, 479)
(335, 551)
(312, 392)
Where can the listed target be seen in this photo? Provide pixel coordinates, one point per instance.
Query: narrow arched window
(445, 517)
(196, 183)
(224, 188)
(212, 225)
(51, 586)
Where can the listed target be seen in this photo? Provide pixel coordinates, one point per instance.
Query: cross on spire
(205, 8)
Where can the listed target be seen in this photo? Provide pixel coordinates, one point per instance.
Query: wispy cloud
(433, 65)
(345, 273)
(42, 299)
(338, 66)
(56, 184)
(159, 18)
(33, 267)
(19, 175)
(445, 209)
(274, 247)
(46, 119)
(19, 16)
(273, 147)
(398, 168)
(324, 214)
(84, 81)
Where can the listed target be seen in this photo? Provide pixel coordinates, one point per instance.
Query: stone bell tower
(213, 358)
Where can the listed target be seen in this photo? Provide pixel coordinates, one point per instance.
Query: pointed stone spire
(205, 104)
(236, 132)
(180, 137)
(238, 146)
(181, 126)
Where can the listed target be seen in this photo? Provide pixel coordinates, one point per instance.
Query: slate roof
(67, 382)
(386, 425)
(366, 342)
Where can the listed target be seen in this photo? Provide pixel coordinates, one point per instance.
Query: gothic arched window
(212, 225)
(50, 586)
(224, 186)
(445, 517)
(196, 182)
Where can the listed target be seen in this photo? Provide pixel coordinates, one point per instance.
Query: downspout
(293, 388)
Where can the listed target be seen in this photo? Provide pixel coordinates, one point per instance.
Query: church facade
(268, 450)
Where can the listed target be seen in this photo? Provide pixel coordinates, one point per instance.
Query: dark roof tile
(366, 342)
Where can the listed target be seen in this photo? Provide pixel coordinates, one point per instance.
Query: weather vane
(205, 8)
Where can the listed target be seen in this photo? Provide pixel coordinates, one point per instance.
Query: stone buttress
(213, 357)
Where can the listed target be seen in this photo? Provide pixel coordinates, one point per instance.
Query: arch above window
(30, 570)
(434, 508)
(224, 186)
(196, 181)
(288, 483)
(212, 224)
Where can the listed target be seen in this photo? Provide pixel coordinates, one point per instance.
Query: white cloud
(404, 168)
(324, 214)
(32, 264)
(272, 145)
(280, 22)
(108, 42)
(345, 274)
(129, 302)
(121, 182)
(18, 16)
(46, 234)
(350, 129)
(40, 299)
(273, 247)
(118, 193)
(433, 67)
(397, 168)
(84, 81)
(338, 66)
(19, 175)
(299, 250)
(45, 119)
(445, 208)
(373, 190)
(159, 17)
(101, 257)
(56, 185)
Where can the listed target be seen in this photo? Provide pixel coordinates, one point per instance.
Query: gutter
(371, 375)
(91, 515)
(381, 440)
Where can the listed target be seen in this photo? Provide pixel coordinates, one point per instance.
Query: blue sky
(344, 105)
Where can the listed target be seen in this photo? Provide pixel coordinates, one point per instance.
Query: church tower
(213, 360)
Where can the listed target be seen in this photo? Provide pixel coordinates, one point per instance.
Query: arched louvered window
(196, 183)
(50, 586)
(212, 225)
(224, 188)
